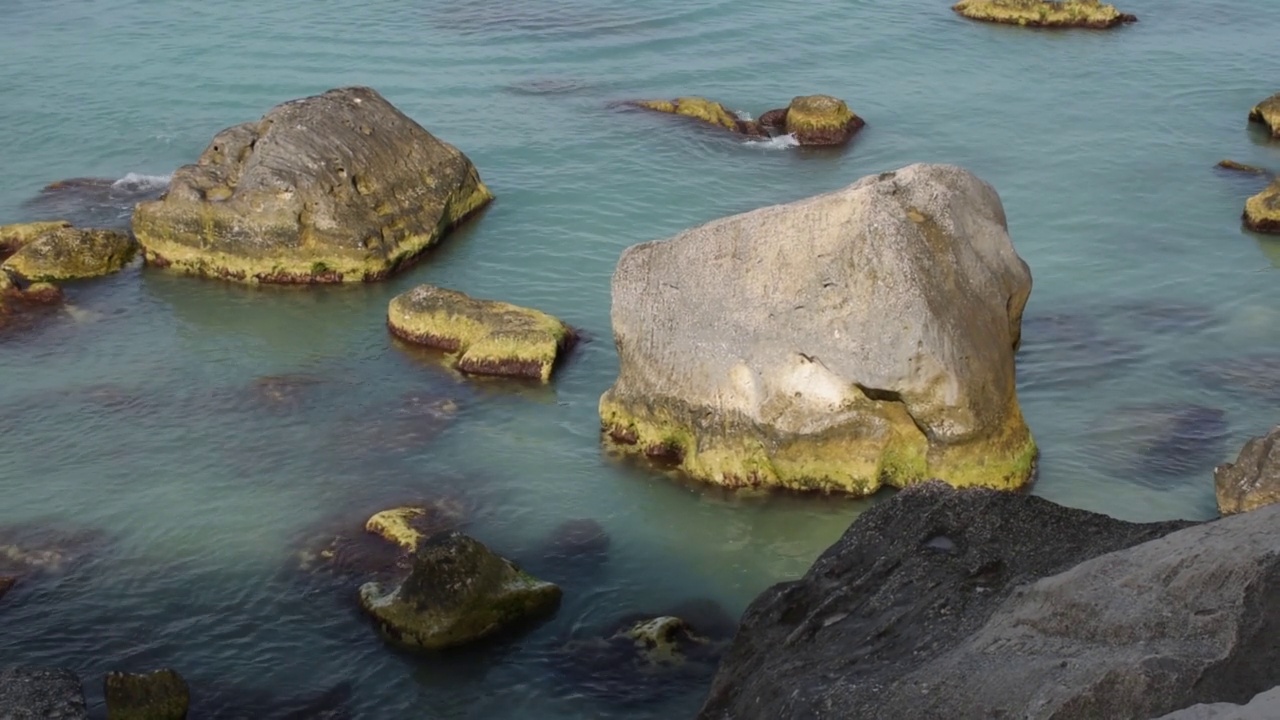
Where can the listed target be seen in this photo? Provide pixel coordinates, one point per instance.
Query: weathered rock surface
(1045, 13)
(1263, 706)
(1262, 211)
(1253, 480)
(159, 695)
(815, 120)
(850, 340)
(67, 253)
(490, 337)
(15, 237)
(338, 187)
(970, 603)
(28, 693)
(1242, 167)
(1267, 112)
(457, 593)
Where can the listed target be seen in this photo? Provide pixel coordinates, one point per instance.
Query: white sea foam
(780, 142)
(140, 182)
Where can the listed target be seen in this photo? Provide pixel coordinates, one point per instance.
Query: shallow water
(1150, 335)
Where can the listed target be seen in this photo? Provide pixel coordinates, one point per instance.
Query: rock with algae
(337, 187)
(14, 237)
(1267, 112)
(815, 120)
(1044, 13)
(1262, 211)
(457, 593)
(67, 253)
(490, 337)
(702, 110)
(159, 695)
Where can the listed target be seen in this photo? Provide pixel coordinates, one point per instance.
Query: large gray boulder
(27, 693)
(1263, 706)
(338, 187)
(841, 342)
(1253, 480)
(957, 604)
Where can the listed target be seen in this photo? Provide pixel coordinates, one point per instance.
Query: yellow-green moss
(66, 253)
(1043, 13)
(818, 112)
(490, 337)
(1267, 112)
(15, 237)
(396, 526)
(852, 462)
(1262, 211)
(698, 108)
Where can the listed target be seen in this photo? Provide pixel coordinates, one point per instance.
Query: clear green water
(134, 416)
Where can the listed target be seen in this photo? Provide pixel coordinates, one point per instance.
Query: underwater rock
(337, 187)
(22, 304)
(815, 120)
(749, 359)
(1044, 13)
(1155, 316)
(1249, 376)
(1267, 112)
(1253, 480)
(1066, 349)
(255, 703)
(578, 539)
(37, 547)
(405, 426)
(68, 253)
(490, 337)
(457, 593)
(159, 695)
(35, 692)
(1262, 211)
(15, 237)
(1164, 440)
(285, 392)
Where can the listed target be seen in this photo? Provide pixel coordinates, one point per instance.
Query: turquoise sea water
(1149, 344)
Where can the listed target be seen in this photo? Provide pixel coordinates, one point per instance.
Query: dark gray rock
(956, 604)
(1253, 480)
(46, 693)
(1264, 706)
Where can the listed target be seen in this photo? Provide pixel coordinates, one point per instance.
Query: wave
(139, 182)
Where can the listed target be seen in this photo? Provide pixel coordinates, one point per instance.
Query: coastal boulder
(338, 187)
(1267, 112)
(67, 253)
(458, 592)
(1253, 480)
(1045, 13)
(843, 342)
(159, 695)
(37, 692)
(815, 120)
(948, 603)
(489, 337)
(1262, 211)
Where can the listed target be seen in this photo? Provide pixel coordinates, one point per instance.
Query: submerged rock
(1045, 13)
(703, 110)
(68, 253)
(36, 692)
(15, 237)
(751, 356)
(338, 187)
(1249, 376)
(947, 604)
(1067, 349)
(1253, 480)
(285, 392)
(578, 539)
(96, 202)
(1164, 440)
(457, 593)
(815, 120)
(35, 547)
(490, 337)
(1267, 112)
(1241, 167)
(159, 695)
(405, 426)
(1262, 211)
(22, 304)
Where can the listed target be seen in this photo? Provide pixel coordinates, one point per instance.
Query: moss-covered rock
(409, 526)
(67, 253)
(159, 695)
(843, 342)
(1044, 13)
(15, 237)
(338, 187)
(815, 120)
(1267, 112)
(703, 110)
(381, 544)
(489, 337)
(1262, 211)
(457, 593)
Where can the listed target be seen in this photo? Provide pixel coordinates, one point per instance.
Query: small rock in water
(409, 526)
(159, 695)
(1253, 480)
(581, 538)
(381, 544)
(1241, 167)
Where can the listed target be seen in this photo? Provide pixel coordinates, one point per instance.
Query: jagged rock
(1267, 112)
(28, 693)
(1044, 13)
(338, 187)
(67, 253)
(1253, 480)
(490, 337)
(159, 695)
(843, 342)
(457, 593)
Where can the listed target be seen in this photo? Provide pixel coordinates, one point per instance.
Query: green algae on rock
(851, 340)
(703, 110)
(337, 187)
(408, 526)
(815, 120)
(1044, 13)
(1267, 112)
(490, 337)
(15, 237)
(159, 695)
(457, 593)
(1262, 211)
(67, 253)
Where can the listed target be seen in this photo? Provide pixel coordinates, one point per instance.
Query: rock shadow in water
(1246, 377)
(240, 703)
(1065, 350)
